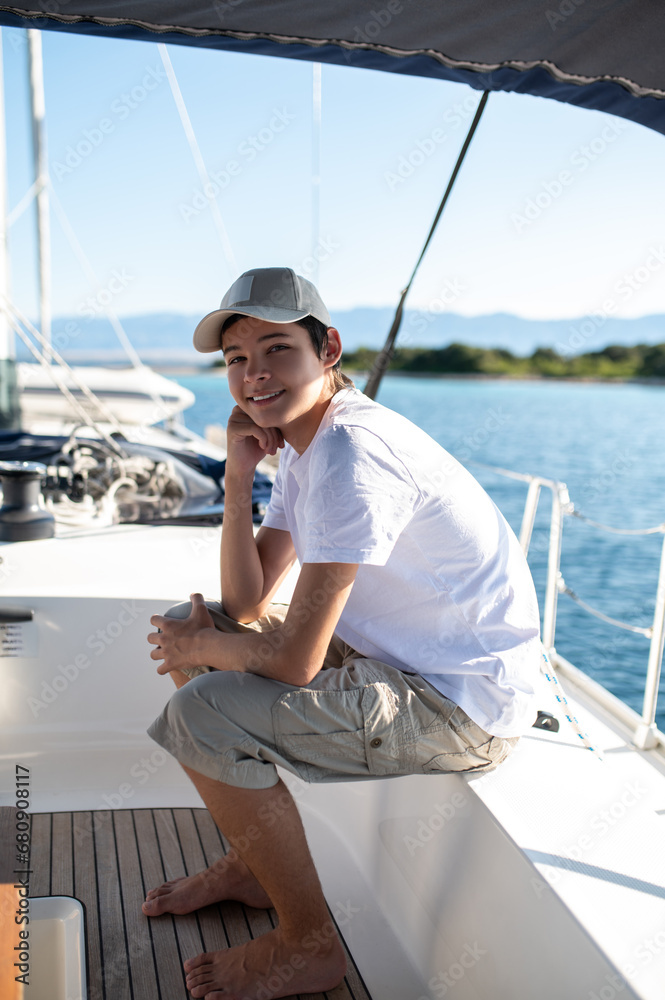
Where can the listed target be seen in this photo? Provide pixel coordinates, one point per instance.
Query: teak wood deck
(108, 860)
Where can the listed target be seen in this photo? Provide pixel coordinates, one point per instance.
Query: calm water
(604, 441)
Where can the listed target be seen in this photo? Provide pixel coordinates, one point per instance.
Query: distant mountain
(163, 338)
(369, 328)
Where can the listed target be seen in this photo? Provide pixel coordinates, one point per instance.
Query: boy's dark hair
(318, 334)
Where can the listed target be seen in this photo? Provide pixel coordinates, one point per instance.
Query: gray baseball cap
(276, 294)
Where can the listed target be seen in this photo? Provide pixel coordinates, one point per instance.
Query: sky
(557, 213)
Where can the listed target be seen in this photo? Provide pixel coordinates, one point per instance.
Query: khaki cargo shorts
(358, 718)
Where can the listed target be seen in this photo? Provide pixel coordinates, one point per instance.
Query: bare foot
(228, 878)
(269, 966)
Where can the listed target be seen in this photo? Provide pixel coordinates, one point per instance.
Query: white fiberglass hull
(130, 395)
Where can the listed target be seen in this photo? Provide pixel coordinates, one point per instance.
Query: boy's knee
(184, 610)
(206, 691)
(179, 610)
(184, 705)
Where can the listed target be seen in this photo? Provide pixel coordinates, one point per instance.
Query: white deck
(543, 879)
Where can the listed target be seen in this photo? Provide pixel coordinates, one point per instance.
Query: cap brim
(208, 333)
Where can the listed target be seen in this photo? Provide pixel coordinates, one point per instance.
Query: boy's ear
(333, 349)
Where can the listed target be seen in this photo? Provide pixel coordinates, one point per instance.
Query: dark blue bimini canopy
(605, 55)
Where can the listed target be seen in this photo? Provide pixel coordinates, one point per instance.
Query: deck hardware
(545, 720)
(22, 515)
(10, 615)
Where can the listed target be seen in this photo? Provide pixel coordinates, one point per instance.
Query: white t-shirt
(443, 588)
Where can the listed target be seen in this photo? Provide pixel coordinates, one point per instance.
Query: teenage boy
(410, 645)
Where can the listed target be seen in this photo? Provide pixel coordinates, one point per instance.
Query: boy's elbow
(291, 666)
(242, 613)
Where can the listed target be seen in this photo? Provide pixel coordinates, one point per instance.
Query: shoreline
(182, 369)
(504, 377)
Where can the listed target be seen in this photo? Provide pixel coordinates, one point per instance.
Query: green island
(641, 361)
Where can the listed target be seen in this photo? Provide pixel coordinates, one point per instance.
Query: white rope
(563, 701)
(198, 159)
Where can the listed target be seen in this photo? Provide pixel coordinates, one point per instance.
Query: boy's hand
(247, 443)
(179, 640)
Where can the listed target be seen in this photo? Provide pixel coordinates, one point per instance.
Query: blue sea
(605, 441)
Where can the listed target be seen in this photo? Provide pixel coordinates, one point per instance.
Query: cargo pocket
(465, 759)
(348, 732)
(465, 746)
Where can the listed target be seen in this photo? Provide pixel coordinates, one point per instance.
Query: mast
(41, 177)
(9, 408)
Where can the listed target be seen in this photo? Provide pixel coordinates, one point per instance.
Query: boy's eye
(279, 347)
(230, 361)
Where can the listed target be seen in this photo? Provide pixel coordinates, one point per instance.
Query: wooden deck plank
(355, 987)
(40, 855)
(114, 942)
(241, 922)
(109, 860)
(85, 889)
(168, 962)
(62, 856)
(140, 949)
(261, 921)
(211, 923)
(186, 925)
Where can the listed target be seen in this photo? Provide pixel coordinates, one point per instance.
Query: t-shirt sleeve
(360, 498)
(274, 516)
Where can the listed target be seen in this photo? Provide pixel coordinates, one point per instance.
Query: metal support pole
(560, 500)
(645, 736)
(529, 515)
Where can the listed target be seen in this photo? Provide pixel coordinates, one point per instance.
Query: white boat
(131, 395)
(544, 879)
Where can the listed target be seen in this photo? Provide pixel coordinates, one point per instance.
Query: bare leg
(228, 878)
(269, 864)
(303, 954)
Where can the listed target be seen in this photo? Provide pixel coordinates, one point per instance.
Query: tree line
(615, 361)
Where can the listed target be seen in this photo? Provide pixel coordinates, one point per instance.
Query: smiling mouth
(265, 397)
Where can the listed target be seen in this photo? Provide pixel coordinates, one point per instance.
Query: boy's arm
(292, 653)
(251, 568)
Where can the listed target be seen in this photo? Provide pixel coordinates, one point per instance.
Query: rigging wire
(659, 529)
(383, 358)
(563, 588)
(198, 159)
(48, 353)
(162, 410)
(316, 169)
